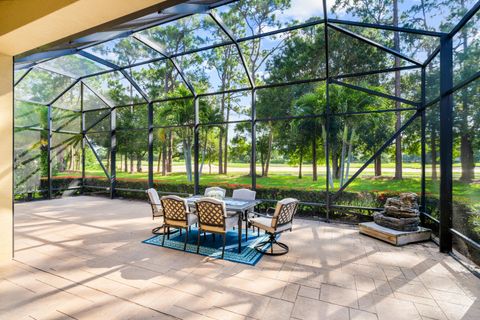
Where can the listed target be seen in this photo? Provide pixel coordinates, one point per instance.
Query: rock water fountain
(398, 223)
(400, 213)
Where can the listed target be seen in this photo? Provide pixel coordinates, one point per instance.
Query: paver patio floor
(82, 258)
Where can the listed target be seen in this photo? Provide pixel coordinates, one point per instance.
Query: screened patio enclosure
(340, 105)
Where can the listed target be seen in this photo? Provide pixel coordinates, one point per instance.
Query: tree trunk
(169, 151)
(378, 166)
(262, 161)
(72, 157)
(108, 160)
(139, 163)
(467, 159)
(225, 150)
(159, 159)
(466, 144)
(225, 161)
(433, 146)
(220, 151)
(164, 159)
(300, 176)
(344, 150)
(335, 167)
(131, 163)
(349, 154)
(204, 151)
(398, 123)
(187, 152)
(269, 152)
(221, 134)
(314, 158)
(325, 146)
(125, 163)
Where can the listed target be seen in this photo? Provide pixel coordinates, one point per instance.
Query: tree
(306, 128)
(179, 113)
(466, 55)
(382, 12)
(257, 16)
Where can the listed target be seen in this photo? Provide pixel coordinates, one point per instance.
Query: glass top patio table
(231, 204)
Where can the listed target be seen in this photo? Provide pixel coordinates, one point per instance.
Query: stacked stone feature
(401, 213)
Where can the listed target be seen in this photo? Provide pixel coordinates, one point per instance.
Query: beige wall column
(6, 155)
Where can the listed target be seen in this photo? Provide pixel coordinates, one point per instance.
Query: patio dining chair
(214, 191)
(156, 205)
(177, 214)
(213, 218)
(281, 221)
(245, 194)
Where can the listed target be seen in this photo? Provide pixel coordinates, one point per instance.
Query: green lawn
(466, 193)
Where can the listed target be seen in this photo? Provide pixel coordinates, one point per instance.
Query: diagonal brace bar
(373, 43)
(376, 93)
(377, 154)
(231, 36)
(116, 68)
(157, 48)
(98, 158)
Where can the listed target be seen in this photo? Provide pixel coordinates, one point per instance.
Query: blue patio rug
(213, 248)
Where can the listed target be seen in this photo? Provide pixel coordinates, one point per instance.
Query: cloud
(304, 9)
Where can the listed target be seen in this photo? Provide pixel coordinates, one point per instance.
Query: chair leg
(260, 247)
(198, 241)
(186, 239)
(204, 236)
(224, 242)
(164, 230)
(180, 231)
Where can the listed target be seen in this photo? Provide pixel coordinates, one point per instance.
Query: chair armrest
(271, 210)
(265, 215)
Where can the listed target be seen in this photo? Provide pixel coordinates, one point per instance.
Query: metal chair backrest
(284, 212)
(211, 190)
(174, 208)
(154, 200)
(211, 212)
(244, 194)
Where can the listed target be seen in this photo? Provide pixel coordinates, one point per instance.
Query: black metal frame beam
(22, 77)
(82, 86)
(388, 27)
(99, 96)
(70, 86)
(113, 152)
(374, 44)
(49, 152)
(465, 19)
(446, 143)
(150, 145)
(253, 153)
(376, 93)
(196, 147)
(423, 147)
(327, 108)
